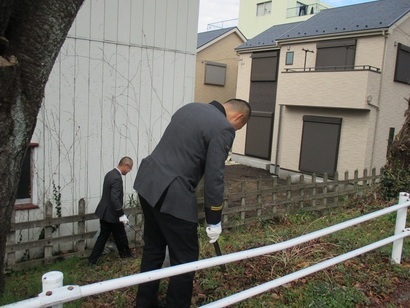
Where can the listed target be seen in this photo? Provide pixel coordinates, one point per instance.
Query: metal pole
(400, 226)
(52, 280)
(227, 301)
(70, 293)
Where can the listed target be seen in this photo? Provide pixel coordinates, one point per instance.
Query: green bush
(393, 181)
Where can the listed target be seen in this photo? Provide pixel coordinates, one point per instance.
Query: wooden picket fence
(245, 202)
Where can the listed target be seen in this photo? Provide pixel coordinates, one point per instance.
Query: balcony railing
(223, 24)
(307, 9)
(333, 69)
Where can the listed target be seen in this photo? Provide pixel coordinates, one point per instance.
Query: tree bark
(31, 36)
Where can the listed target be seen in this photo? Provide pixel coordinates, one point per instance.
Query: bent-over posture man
(196, 143)
(111, 214)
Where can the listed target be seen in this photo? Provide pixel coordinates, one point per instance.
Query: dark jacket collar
(219, 106)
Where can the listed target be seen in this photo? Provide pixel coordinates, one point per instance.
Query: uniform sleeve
(116, 193)
(218, 150)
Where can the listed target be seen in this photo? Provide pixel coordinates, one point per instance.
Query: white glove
(213, 232)
(124, 219)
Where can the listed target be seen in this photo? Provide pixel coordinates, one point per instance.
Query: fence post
(52, 280)
(336, 188)
(81, 225)
(259, 198)
(314, 189)
(243, 203)
(301, 190)
(48, 231)
(11, 239)
(325, 189)
(400, 226)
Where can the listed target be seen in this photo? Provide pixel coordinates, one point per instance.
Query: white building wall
(124, 69)
(282, 12)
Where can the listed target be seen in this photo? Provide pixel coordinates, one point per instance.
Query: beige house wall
(221, 51)
(353, 137)
(392, 94)
(378, 101)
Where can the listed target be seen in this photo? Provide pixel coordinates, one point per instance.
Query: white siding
(124, 69)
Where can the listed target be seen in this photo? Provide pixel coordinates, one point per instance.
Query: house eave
(257, 48)
(321, 37)
(235, 30)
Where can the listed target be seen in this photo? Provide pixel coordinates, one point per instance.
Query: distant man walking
(111, 214)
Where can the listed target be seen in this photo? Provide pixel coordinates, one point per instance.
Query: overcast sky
(211, 11)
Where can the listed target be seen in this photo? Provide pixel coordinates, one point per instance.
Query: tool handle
(219, 253)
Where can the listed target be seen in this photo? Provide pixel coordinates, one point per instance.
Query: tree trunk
(31, 35)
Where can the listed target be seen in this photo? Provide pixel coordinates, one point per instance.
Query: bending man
(196, 143)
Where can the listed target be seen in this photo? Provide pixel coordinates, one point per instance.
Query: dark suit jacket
(110, 207)
(196, 143)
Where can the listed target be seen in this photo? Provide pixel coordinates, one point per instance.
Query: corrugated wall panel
(133, 113)
(137, 14)
(148, 27)
(108, 109)
(106, 99)
(160, 23)
(124, 21)
(145, 145)
(111, 20)
(63, 173)
(158, 100)
(97, 19)
(81, 119)
(182, 24)
(121, 103)
(82, 22)
(171, 25)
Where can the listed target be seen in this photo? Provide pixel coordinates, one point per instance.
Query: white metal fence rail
(63, 294)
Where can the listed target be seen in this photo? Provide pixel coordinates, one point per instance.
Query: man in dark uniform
(111, 214)
(196, 143)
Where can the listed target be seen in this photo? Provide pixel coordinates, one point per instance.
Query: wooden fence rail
(244, 203)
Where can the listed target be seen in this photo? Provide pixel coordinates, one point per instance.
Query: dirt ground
(237, 172)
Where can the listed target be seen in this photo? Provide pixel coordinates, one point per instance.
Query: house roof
(204, 38)
(360, 17)
(268, 37)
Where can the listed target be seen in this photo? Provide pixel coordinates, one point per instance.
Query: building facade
(340, 80)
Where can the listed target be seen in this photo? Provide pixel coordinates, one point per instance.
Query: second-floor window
(335, 54)
(263, 8)
(402, 72)
(215, 73)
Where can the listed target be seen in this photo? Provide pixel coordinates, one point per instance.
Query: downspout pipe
(376, 122)
(278, 140)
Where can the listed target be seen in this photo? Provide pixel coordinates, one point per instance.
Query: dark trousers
(120, 238)
(161, 230)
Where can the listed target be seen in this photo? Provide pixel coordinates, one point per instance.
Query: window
(289, 58)
(402, 72)
(25, 186)
(215, 73)
(320, 144)
(264, 66)
(263, 8)
(335, 54)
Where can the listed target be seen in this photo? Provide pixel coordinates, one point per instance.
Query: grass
(368, 280)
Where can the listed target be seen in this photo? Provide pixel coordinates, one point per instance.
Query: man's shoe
(91, 264)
